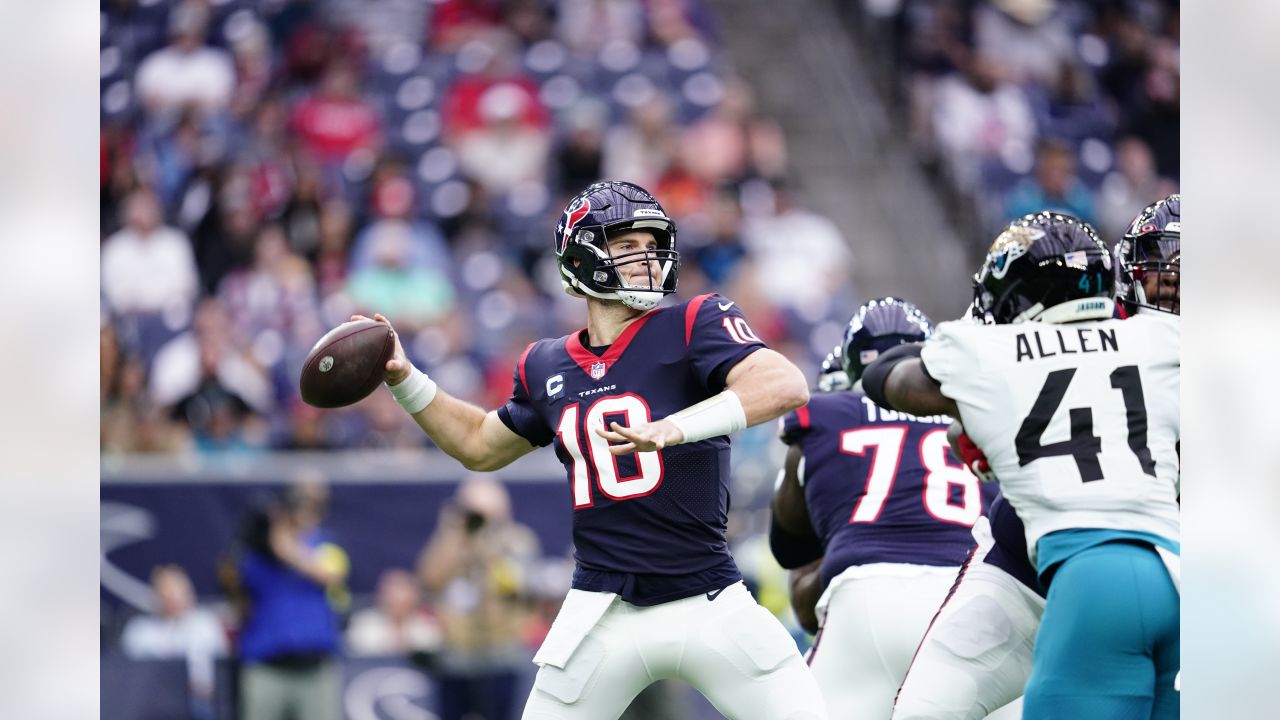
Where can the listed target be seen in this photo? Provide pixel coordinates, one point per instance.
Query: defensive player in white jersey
(977, 653)
(638, 405)
(1077, 413)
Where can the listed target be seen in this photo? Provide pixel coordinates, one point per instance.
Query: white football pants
(730, 649)
(872, 620)
(976, 657)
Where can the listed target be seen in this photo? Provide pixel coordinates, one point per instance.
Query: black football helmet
(831, 376)
(1045, 266)
(592, 217)
(1148, 258)
(877, 326)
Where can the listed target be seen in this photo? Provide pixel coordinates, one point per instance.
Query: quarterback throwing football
(638, 405)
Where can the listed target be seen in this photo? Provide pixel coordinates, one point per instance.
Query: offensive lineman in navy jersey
(638, 405)
(878, 497)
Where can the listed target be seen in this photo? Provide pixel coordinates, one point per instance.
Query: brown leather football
(346, 364)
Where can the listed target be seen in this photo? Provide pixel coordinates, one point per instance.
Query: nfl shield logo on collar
(597, 370)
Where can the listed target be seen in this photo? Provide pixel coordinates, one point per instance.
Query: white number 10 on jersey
(648, 464)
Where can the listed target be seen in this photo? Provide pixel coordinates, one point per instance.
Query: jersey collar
(596, 367)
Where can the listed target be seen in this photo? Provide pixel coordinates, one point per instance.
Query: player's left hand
(644, 437)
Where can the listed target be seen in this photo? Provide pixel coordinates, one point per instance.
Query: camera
(472, 521)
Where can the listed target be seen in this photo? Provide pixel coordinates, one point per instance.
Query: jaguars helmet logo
(1010, 245)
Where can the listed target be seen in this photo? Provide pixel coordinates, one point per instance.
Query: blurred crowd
(1028, 105)
(471, 613)
(269, 167)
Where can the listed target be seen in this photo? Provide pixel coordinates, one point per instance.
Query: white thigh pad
(568, 684)
(978, 627)
(760, 638)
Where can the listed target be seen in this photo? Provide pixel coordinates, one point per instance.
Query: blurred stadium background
(269, 167)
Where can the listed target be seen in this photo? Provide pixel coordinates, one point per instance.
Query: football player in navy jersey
(957, 673)
(638, 406)
(879, 497)
(1091, 468)
(1148, 260)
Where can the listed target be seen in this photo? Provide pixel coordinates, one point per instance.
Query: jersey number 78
(940, 474)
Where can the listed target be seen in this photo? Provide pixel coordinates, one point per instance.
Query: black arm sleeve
(873, 379)
(792, 550)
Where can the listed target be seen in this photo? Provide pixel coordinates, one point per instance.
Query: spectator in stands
(642, 148)
(176, 628)
(131, 422)
(719, 256)
(580, 151)
(1028, 39)
(392, 200)
(1159, 113)
(1070, 107)
(289, 576)
(503, 151)
(671, 21)
(331, 262)
(1133, 184)
(811, 270)
(223, 234)
(335, 121)
(421, 293)
(586, 26)
(475, 565)
(186, 72)
(271, 305)
(979, 117)
(733, 142)
(206, 359)
(455, 22)
(498, 63)
(398, 624)
(1054, 187)
(173, 155)
(253, 61)
(148, 267)
(302, 207)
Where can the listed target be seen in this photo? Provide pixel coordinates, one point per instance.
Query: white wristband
(713, 417)
(414, 392)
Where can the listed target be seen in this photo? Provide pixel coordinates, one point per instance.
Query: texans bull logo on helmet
(572, 216)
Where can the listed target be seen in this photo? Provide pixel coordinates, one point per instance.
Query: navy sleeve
(519, 413)
(718, 338)
(794, 425)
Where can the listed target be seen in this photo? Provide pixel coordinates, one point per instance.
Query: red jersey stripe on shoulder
(691, 314)
(520, 366)
(802, 414)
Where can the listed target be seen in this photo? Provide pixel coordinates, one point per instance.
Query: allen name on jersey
(1049, 341)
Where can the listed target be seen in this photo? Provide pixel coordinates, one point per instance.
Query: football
(346, 364)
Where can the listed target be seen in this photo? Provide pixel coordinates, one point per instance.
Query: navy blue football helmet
(1045, 266)
(831, 376)
(877, 326)
(590, 220)
(1148, 258)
